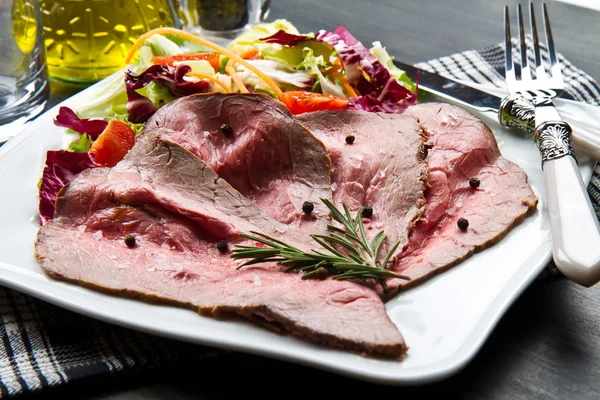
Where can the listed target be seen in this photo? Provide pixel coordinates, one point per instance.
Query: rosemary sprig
(346, 252)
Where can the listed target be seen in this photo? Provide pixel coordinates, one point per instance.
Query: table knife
(515, 110)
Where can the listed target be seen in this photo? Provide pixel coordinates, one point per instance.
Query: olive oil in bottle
(87, 40)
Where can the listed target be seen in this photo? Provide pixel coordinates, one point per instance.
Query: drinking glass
(24, 86)
(222, 20)
(87, 40)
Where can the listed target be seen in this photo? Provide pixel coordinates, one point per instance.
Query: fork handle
(573, 222)
(586, 140)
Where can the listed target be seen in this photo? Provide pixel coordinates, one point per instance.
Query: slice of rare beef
(134, 181)
(254, 143)
(377, 161)
(177, 209)
(462, 147)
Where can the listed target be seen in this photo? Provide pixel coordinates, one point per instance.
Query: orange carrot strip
(204, 42)
(349, 89)
(247, 54)
(212, 79)
(238, 82)
(337, 63)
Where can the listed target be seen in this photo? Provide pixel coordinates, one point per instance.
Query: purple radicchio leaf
(169, 77)
(141, 108)
(61, 167)
(67, 118)
(286, 39)
(379, 89)
(373, 104)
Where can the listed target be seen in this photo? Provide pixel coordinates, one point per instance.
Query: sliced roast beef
(254, 143)
(214, 205)
(377, 161)
(177, 209)
(461, 147)
(458, 147)
(167, 198)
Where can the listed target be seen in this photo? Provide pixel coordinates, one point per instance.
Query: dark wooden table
(546, 346)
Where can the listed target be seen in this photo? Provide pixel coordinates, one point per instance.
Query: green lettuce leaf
(137, 128)
(384, 58)
(288, 56)
(252, 36)
(83, 144)
(162, 46)
(158, 95)
(314, 66)
(112, 95)
(112, 98)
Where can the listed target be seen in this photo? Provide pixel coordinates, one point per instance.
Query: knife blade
(582, 117)
(452, 90)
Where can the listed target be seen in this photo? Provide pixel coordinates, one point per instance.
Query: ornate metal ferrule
(517, 111)
(554, 140)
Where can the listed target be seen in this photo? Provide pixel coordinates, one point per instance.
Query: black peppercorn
(367, 211)
(308, 207)
(428, 146)
(474, 183)
(425, 150)
(226, 129)
(321, 273)
(462, 223)
(350, 139)
(130, 240)
(222, 246)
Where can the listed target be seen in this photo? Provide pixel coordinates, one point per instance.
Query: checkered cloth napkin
(43, 345)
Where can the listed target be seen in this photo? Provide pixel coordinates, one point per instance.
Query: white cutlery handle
(574, 225)
(585, 139)
(517, 111)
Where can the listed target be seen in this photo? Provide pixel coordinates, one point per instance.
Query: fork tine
(525, 70)
(539, 67)
(547, 83)
(509, 66)
(554, 65)
(549, 38)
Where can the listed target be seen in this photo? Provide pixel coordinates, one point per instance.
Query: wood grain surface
(546, 346)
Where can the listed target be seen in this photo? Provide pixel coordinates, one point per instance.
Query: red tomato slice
(301, 102)
(113, 143)
(212, 58)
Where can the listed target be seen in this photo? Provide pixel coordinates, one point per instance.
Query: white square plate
(444, 320)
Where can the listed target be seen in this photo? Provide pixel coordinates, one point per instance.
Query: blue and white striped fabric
(43, 345)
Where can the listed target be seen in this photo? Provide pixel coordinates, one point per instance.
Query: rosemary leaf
(334, 238)
(390, 254)
(346, 252)
(318, 239)
(363, 234)
(332, 228)
(335, 213)
(348, 215)
(261, 240)
(377, 241)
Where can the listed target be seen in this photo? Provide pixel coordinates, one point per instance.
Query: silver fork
(575, 228)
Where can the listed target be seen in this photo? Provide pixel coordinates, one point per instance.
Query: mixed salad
(321, 71)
